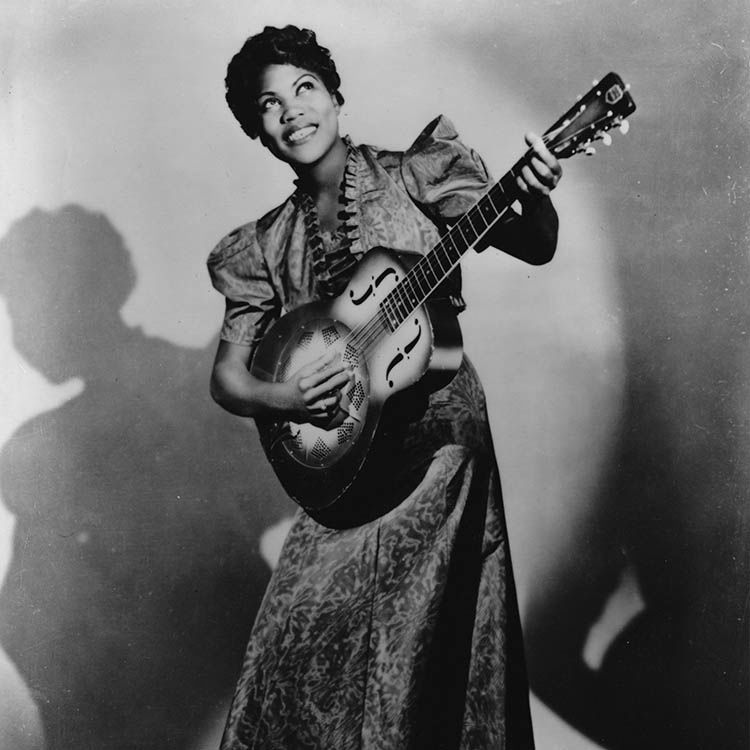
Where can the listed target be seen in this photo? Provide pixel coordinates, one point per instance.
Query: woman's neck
(324, 177)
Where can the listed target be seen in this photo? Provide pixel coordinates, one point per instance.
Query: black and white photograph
(374, 375)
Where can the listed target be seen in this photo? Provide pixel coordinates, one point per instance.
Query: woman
(401, 632)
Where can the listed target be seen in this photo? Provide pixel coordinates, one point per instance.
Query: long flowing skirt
(403, 632)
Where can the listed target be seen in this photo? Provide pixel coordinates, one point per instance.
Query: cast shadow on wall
(670, 512)
(139, 504)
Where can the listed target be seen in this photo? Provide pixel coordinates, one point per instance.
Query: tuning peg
(579, 97)
(606, 139)
(624, 127)
(589, 151)
(595, 82)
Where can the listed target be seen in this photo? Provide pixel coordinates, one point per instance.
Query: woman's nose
(291, 112)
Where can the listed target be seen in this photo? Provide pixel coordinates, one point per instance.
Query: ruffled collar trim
(332, 264)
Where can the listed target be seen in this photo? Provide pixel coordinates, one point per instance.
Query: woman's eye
(268, 104)
(305, 86)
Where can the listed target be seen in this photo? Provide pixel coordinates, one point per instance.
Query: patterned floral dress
(401, 633)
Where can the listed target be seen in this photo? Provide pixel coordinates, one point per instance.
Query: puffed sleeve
(441, 174)
(238, 270)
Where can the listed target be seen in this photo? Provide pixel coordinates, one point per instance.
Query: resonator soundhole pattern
(351, 356)
(356, 394)
(320, 450)
(330, 335)
(283, 371)
(345, 432)
(317, 447)
(305, 339)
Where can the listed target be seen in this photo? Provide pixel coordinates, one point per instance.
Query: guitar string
(475, 213)
(365, 335)
(367, 332)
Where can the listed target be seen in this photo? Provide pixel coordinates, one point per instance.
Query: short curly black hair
(288, 46)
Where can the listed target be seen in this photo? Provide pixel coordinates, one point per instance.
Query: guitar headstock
(604, 107)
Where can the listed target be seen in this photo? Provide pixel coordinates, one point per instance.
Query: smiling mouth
(298, 136)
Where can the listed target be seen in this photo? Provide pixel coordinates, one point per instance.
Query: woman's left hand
(542, 170)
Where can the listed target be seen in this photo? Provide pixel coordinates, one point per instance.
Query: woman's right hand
(312, 394)
(314, 391)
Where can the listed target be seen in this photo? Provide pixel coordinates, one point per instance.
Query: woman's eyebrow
(273, 93)
(310, 75)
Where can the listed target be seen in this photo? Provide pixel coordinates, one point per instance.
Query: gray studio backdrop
(139, 523)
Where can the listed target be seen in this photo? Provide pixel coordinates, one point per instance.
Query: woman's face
(298, 120)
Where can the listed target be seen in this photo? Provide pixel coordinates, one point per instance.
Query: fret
(424, 267)
(473, 222)
(497, 199)
(457, 229)
(500, 192)
(390, 316)
(418, 278)
(411, 295)
(432, 269)
(429, 272)
(436, 255)
(444, 259)
(428, 277)
(489, 212)
(478, 218)
(448, 244)
(508, 184)
(400, 302)
(393, 305)
(468, 225)
(385, 308)
(407, 291)
(437, 276)
(463, 225)
(396, 308)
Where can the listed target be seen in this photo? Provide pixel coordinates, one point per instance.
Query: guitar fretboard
(432, 269)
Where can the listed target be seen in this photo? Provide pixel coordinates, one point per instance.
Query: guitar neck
(432, 269)
(596, 112)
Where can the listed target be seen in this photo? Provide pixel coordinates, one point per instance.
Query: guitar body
(391, 329)
(318, 466)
